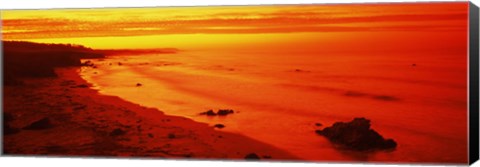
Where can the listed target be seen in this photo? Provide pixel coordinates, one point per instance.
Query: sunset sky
(185, 26)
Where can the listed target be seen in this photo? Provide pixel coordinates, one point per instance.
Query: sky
(221, 26)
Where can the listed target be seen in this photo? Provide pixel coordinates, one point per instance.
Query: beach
(83, 123)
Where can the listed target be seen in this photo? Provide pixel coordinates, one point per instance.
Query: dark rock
(87, 63)
(8, 130)
(150, 135)
(252, 157)
(41, 124)
(171, 136)
(82, 86)
(208, 113)
(219, 126)
(138, 84)
(318, 124)
(356, 135)
(223, 112)
(117, 132)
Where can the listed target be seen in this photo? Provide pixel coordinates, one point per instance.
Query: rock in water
(219, 126)
(223, 112)
(41, 124)
(252, 157)
(356, 135)
(209, 113)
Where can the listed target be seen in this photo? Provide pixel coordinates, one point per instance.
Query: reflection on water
(418, 100)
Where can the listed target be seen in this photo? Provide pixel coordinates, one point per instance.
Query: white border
(48, 4)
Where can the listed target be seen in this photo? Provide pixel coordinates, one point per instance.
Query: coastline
(85, 123)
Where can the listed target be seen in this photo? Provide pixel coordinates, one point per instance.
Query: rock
(117, 132)
(171, 136)
(138, 84)
(150, 135)
(356, 135)
(252, 157)
(318, 124)
(223, 112)
(300, 70)
(8, 130)
(89, 64)
(209, 113)
(219, 126)
(81, 86)
(41, 124)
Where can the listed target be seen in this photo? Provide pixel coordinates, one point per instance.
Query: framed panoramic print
(348, 83)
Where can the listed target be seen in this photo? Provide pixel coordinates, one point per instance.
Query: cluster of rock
(357, 135)
(221, 112)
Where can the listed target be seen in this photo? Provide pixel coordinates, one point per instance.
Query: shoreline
(84, 123)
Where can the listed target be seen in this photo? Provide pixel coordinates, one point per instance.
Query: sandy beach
(85, 123)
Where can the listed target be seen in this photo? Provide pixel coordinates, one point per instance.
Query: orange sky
(219, 23)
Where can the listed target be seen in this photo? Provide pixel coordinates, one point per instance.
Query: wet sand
(83, 122)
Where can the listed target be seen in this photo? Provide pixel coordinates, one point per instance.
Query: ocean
(419, 99)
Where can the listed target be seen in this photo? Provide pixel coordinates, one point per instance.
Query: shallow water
(278, 99)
